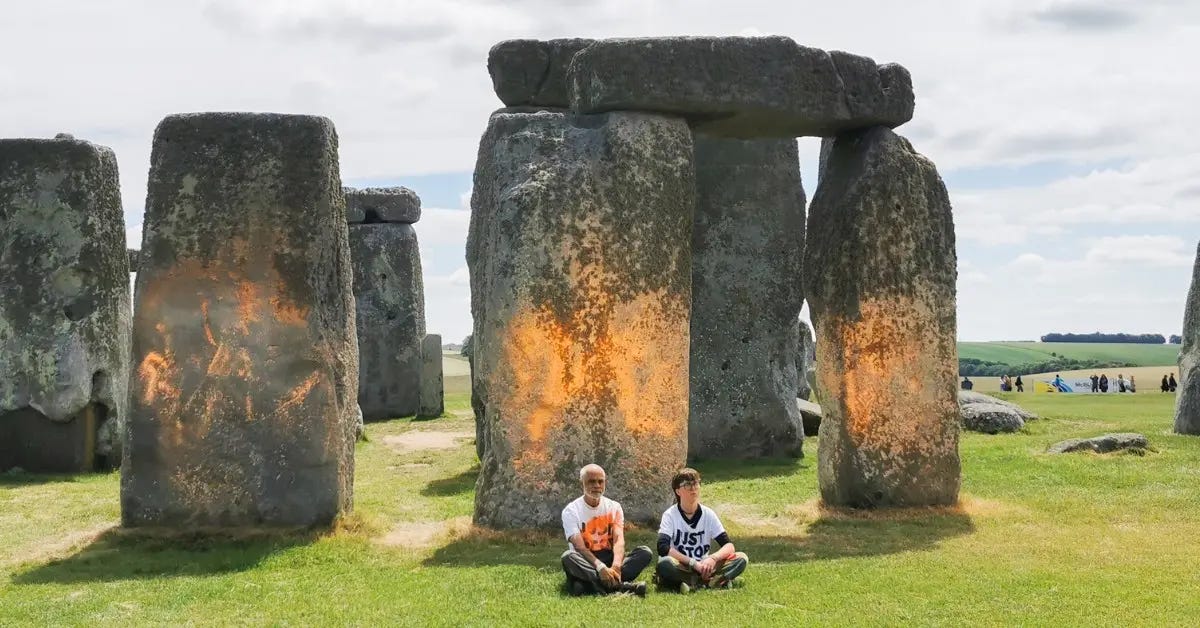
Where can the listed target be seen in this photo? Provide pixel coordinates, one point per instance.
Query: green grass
(1039, 539)
(1035, 352)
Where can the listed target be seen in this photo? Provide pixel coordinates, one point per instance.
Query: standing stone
(389, 301)
(64, 306)
(805, 360)
(243, 396)
(880, 279)
(580, 260)
(432, 398)
(746, 297)
(1187, 401)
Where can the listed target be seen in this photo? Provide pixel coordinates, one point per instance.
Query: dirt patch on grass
(420, 440)
(425, 534)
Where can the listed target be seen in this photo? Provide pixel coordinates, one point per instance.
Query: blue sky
(1061, 127)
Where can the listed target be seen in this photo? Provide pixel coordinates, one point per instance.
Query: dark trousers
(578, 568)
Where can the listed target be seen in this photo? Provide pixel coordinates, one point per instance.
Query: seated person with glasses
(686, 537)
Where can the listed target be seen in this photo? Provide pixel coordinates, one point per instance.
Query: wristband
(599, 565)
(691, 562)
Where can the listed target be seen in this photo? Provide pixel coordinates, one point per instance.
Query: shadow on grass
(28, 478)
(454, 485)
(725, 470)
(134, 555)
(831, 537)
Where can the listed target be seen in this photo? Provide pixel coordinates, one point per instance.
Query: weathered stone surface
(1187, 400)
(880, 280)
(373, 205)
(746, 297)
(969, 397)
(243, 404)
(580, 259)
(805, 361)
(134, 254)
(64, 305)
(432, 394)
(529, 72)
(990, 418)
(1106, 443)
(389, 299)
(744, 87)
(811, 414)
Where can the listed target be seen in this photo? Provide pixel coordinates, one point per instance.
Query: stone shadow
(135, 555)
(724, 470)
(454, 485)
(9, 479)
(838, 535)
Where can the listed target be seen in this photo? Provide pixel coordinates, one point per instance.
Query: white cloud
(1144, 250)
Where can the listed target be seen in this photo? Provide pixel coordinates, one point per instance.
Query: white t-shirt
(596, 525)
(691, 541)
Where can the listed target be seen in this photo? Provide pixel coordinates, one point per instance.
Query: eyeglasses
(690, 484)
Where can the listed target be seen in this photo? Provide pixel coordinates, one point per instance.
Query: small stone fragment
(990, 418)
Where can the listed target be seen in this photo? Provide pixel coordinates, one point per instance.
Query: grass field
(1038, 539)
(1035, 352)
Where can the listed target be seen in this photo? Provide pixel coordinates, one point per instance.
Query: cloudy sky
(1063, 128)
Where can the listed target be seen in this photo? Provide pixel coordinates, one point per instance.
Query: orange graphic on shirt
(598, 532)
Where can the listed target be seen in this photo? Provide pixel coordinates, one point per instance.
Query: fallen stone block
(746, 87)
(811, 414)
(968, 397)
(1107, 443)
(991, 418)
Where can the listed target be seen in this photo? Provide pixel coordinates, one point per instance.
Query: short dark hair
(681, 477)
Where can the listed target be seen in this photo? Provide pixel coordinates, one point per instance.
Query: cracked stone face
(64, 306)
(243, 397)
(580, 260)
(880, 278)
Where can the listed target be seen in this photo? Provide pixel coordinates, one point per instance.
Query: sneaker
(636, 588)
(578, 588)
(685, 588)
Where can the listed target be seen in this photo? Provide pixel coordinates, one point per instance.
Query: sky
(1062, 128)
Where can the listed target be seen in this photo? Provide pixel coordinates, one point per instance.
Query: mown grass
(1039, 539)
(1037, 352)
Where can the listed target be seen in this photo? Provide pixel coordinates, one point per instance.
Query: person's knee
(644, 552)
(665, 567)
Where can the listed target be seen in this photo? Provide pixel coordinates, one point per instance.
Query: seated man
(685, 537)
(595, 559)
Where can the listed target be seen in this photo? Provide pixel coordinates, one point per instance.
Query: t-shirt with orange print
(597, 525)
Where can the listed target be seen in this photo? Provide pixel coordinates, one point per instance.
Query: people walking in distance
(1166, 386)
(1103, 382)
(1095, 383)
(1132, 385)
(967, 384)
(1120, 382)
(1020, 385)
(1172, 384)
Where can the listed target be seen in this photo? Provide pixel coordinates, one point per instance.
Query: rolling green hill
(1032, 352)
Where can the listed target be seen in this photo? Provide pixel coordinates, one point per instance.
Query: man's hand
(609, 577)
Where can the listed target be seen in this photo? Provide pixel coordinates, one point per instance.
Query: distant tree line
(1141, 339)
(985, 368)
(1175, 340)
